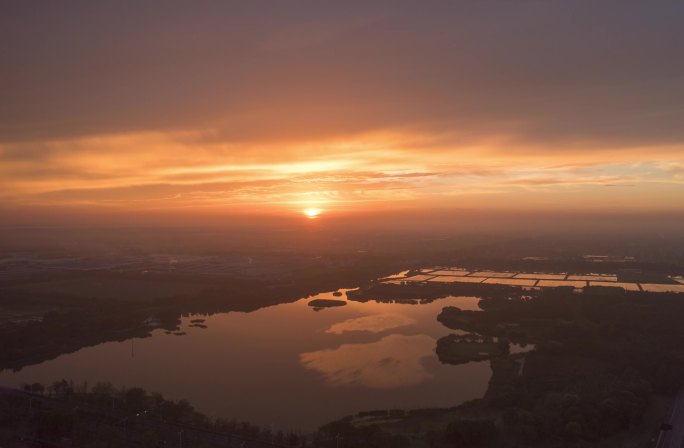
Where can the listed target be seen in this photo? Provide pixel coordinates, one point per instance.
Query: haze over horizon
(166, 109)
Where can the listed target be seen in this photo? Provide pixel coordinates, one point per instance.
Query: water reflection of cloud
(374, 323)
(393, 361)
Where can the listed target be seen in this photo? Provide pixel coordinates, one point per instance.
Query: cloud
(374, 323)
(384, 102)
(598, 180)
(603, 74)
(158, 170)
(392, 362)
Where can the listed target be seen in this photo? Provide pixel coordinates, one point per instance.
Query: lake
(286, 366)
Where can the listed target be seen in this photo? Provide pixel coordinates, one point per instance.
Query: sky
(258, 107)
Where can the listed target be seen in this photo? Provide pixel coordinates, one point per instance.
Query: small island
(326, 303)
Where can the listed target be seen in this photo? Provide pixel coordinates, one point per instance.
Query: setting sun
(312, 212)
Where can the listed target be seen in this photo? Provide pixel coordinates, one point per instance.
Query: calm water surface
(287, 365)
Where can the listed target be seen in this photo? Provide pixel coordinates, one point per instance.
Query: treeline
(104, 416)
(64, 414)
(344, 433)
(426, 292)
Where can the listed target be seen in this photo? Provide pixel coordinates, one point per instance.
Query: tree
(135, 399)
(471, 433)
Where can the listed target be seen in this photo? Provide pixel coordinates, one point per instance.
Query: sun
(312, 212)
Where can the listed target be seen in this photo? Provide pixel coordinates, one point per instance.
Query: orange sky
(350, 107)
(358, 172)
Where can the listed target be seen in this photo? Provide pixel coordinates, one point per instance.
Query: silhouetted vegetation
(326, 303)
(63, 414)
(357, 436)
(598, 360)
(459, 349)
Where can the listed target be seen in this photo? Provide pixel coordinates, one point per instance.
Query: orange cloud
(171, 171)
